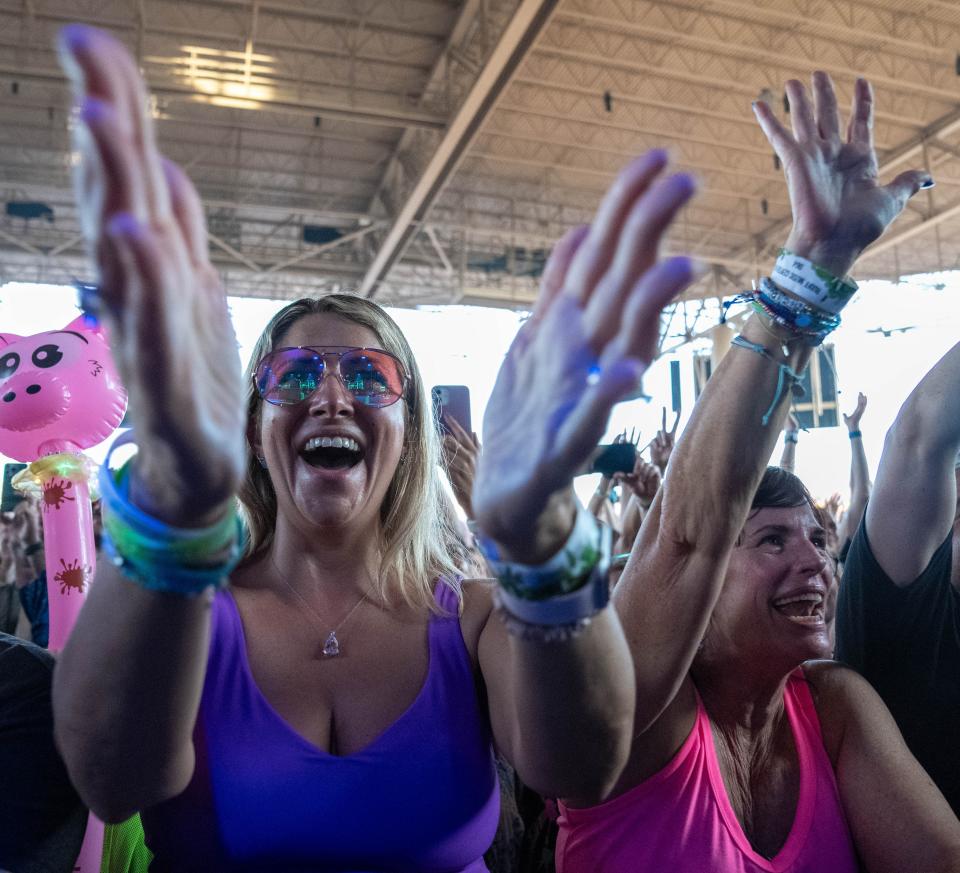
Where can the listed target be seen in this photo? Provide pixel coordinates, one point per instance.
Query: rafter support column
(517, 40)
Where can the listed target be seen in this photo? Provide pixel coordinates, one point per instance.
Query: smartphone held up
(451, 402)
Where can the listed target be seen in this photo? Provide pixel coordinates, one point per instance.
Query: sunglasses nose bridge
(330, 390)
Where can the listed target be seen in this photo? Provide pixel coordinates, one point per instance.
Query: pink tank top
(680, 819)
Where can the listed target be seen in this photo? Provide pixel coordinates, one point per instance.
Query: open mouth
(332, 453)
(809, 608)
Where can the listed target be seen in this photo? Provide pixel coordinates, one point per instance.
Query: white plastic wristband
(811, 283)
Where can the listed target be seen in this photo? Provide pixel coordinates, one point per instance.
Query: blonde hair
(418, 540)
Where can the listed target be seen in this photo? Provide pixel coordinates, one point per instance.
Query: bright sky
(458, 345)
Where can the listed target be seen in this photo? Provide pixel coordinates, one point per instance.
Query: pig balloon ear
(83, 324)
(8, 339)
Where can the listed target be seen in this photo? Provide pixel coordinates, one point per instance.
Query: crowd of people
(23, 609)
(297, 657)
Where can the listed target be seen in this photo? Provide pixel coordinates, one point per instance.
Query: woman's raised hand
(662, 445)
(166, 311)
(644, 481)
(461, 451)
(592, 335)
(852, 421)
(839, 206)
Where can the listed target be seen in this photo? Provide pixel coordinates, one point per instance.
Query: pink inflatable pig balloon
(60, 394)
(59, 391)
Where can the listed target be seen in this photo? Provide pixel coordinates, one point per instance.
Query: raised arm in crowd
(748, 749)
(859, 478)
(899, 608)
(345, 669)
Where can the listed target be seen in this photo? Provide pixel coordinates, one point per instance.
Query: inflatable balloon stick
(60, 394)
(60, 481)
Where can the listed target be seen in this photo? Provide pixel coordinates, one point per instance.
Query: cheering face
(331, 457)
(778, 602)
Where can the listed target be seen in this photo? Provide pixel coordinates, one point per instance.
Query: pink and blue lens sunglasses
(288, 376)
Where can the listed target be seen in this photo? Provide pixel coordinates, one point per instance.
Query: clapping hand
(592, 335)
(166, 311)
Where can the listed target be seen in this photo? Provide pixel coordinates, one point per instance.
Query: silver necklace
(331, 645)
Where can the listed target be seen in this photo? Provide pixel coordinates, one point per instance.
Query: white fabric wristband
(568, 588)
(811, 283)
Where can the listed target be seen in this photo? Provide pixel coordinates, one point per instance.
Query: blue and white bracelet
(556, 600)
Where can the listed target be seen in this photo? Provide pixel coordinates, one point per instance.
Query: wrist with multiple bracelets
(810, 315)
(794, 315)
(556, 600)
(158, 556)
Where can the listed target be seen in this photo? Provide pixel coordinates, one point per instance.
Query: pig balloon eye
(9, 364)
(47, 356)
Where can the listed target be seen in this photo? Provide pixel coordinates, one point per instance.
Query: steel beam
(742, 51)
(313, 105)
(517, 40)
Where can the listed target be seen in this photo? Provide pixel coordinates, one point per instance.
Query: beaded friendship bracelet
(804, 316)
(811, 315)
(802, 322)
(812, 327)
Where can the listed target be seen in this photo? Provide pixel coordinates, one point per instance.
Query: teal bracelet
(854, 434)
(787, 379)
(158, 556)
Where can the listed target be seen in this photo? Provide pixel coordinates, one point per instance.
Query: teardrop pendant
(331, 647)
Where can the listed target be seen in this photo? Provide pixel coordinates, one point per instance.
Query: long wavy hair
(418, 542)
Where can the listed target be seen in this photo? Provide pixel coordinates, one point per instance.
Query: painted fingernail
(687, 182)
(928, 182)
(122, 226)
(74, 37)
(91, 110)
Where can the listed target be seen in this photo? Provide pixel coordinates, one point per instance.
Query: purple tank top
(423, 796)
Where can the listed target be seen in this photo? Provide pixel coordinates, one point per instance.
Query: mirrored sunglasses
(288, 376)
